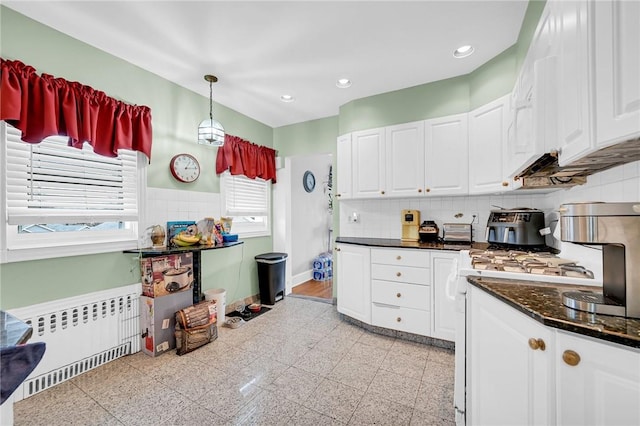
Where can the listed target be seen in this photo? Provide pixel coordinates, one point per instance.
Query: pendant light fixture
(210, 131)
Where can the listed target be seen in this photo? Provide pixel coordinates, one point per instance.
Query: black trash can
(271, 277)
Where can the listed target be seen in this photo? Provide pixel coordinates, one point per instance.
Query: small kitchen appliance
(615, 227)
(428, 231)
(515, 227)
(457, 233)
(410, 225)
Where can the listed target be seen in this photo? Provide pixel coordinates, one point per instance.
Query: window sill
(25, 254)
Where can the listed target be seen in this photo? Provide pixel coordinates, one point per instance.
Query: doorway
(303, 221)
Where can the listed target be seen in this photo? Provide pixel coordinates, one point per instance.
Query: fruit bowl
(255, 307)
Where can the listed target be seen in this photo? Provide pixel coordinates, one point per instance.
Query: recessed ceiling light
(463, 51)
(287, 98)
(343, 83)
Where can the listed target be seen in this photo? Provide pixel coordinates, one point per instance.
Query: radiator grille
(81, 334)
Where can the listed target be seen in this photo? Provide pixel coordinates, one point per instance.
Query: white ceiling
(262, 49)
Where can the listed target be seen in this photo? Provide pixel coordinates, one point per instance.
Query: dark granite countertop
(543, 302)
(396, 243)
(149, 251)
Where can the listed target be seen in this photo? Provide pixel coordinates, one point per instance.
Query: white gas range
(508, 264)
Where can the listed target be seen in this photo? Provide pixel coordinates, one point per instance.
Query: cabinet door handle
(398, 257)
(382, 192)
(398, 295)
(536, 344)
(337, 248)
(398, 274)
(398, 319)
(338, 195)
(571, 357)
(428, 189)
(419, 189)
(505, 183)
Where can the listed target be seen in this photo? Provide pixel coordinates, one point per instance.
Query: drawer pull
(536, 344)
(428, 189)
(398, 319)
(398, 274)
(398, 295)
(571, 357)
(398, 257)
(382, 192)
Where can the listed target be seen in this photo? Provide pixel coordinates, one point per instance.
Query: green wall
(176, 114)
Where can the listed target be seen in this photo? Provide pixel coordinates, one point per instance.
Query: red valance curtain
(242, 157)
(42, 106)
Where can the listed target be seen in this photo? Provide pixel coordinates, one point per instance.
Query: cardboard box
(158, 321)
(164, 275)
(174, 228)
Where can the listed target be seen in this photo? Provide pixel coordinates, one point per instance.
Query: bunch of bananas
(184, 239)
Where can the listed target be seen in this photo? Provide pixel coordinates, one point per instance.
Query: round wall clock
(185, 168)
(308, 181)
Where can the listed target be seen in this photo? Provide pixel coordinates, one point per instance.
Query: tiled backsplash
(165, 205)
(381, 218)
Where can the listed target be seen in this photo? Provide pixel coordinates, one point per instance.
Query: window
(247, 202)
(63, 201)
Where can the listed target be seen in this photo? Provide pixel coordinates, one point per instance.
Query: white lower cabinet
(409, 290)
(522, 372)
(508, 382)
(597, 382)
(443, 266)
(353, 272)
(401, 290)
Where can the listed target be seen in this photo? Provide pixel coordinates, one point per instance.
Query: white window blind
(244, 196)
(51, 182)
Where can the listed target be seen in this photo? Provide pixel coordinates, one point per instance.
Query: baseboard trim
(301, 278)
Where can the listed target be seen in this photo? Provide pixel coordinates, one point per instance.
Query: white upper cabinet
(446, 155)
(533, 126)
(574, 78)
(343, 164)
(617, 70)
(368, 162)
(404, 147)
(487, 147)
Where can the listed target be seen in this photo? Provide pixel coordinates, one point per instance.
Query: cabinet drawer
(401, 294)
(405, 274)
(402, 257)
(402, 319)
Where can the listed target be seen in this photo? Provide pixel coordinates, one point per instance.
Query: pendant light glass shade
(210, 131)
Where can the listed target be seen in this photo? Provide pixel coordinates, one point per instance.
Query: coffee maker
(410, 220)
(615, 227)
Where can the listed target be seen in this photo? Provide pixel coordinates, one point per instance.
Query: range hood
(546, 172)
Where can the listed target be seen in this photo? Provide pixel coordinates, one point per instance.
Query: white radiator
(81, 333)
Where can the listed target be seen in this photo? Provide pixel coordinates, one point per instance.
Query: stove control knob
(536, 344)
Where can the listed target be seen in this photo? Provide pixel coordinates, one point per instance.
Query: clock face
(185, 168)
(308, 181)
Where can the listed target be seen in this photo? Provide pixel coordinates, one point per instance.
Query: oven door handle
(451, 280)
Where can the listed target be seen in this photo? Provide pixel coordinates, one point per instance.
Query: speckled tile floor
(298, 364)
